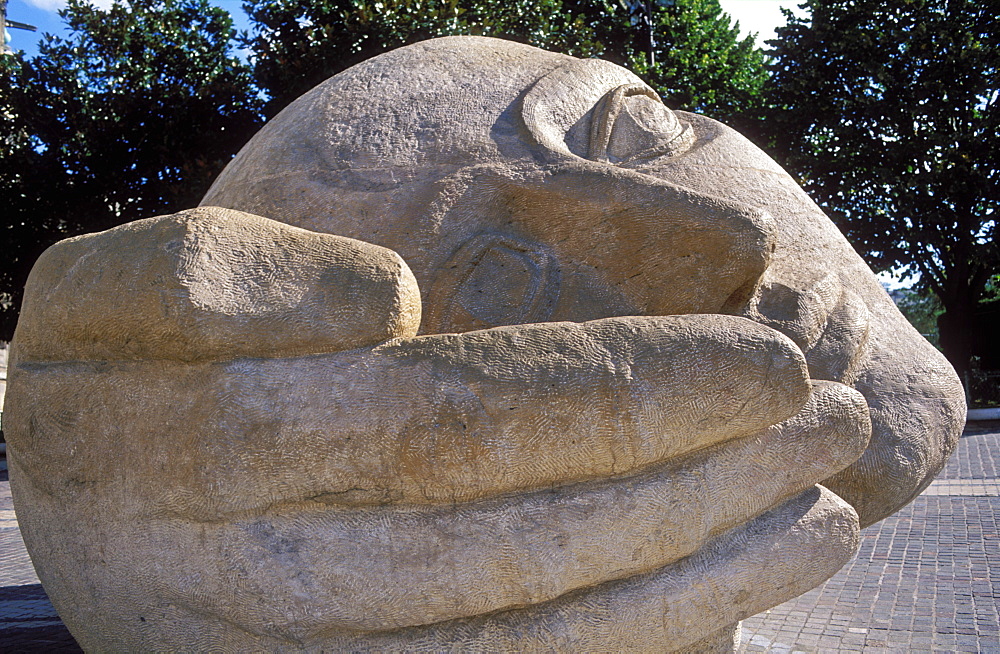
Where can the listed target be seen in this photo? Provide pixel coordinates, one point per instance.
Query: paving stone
(926, 579)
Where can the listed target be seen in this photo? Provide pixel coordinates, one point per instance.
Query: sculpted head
(526, 186)
(486, 348)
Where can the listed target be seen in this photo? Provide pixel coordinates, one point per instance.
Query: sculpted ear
(491, 280)
(592, 109)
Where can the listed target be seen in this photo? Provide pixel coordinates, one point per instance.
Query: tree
(922, 310)
(132, 115)
(297, 44)
(887, 111)
(701, 63)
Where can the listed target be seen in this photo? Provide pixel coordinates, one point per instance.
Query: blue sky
(754, 16)
(42, 14)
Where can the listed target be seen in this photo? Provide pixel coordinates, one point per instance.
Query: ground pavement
(926, 579)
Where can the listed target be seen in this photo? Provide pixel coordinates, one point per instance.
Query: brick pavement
(926, 579)
(28, 623)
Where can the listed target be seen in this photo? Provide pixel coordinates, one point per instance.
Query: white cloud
(56, 5)
(47, 5)
(759, 16)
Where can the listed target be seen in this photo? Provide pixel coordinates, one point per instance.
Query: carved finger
(435, 562)
(212, 284)
(778, 556)
(441, 418)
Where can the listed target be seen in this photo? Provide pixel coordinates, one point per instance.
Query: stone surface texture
(592, 418)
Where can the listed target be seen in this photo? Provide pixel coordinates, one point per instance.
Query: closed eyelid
(606, 113)
(656, 143)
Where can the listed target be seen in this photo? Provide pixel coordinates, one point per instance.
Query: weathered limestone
(211, 284)
(533, 168)
(232, 431)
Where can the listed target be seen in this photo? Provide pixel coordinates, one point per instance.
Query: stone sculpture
(641, 349)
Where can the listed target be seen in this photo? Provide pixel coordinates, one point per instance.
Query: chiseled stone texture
(641, 348)
(213, 284)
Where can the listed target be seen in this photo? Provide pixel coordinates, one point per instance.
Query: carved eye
(630, 125)
(493, 280)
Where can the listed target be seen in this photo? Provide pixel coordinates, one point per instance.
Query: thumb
(212, 284)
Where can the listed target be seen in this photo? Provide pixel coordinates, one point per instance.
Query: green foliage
(701, 63)
(297, 44)
(131, 116)
(922, 310)
(142, 105)
(887, 111)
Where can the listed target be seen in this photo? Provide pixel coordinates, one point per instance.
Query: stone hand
(245, 409)
(473, 157)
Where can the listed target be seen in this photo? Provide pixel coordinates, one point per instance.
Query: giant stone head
(563, 189)
(641, 347)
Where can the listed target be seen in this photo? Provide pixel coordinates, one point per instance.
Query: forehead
(460, 156)
(419, 113)
(436, 103)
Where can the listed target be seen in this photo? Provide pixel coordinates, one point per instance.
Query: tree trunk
(956, 328)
